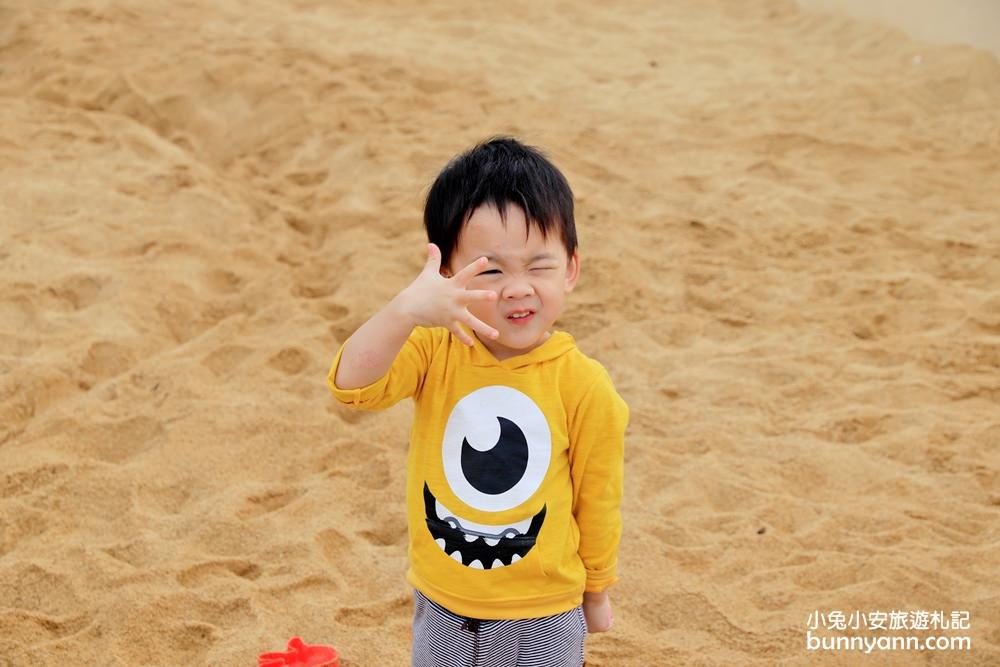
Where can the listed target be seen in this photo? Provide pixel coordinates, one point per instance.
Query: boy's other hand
(597, 611)
(435, 301)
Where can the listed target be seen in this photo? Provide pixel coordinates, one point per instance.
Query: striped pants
(444, 639)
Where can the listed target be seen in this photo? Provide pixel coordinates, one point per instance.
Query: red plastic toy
(300, 654)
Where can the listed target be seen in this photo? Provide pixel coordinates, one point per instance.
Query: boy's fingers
(433, 258)
(479, 295)
(480, 326)
(456, 329)
(467, 272)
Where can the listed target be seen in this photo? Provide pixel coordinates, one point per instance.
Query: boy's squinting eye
(539, 268)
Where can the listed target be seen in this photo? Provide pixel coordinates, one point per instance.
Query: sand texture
(790, 246)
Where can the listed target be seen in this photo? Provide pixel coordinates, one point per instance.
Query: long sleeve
(597, 433)
(404, 378)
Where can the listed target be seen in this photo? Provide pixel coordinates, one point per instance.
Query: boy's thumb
(433, 257)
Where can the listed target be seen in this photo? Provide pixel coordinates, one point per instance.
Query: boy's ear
(572, 271)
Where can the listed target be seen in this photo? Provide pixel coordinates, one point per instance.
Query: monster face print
(495, 453)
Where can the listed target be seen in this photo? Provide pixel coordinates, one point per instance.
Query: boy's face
(530, 274)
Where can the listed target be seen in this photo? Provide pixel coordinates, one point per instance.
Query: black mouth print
(509, 549)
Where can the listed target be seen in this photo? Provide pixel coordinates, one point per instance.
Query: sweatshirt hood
(557, 344)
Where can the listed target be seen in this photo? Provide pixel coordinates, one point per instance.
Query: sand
(971, 22)
(790, 248)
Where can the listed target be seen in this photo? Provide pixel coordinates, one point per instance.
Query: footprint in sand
(332, 311)
(307, 179)
(33, 588)
(169, 499)
(18, 312)
(377, 613)
(77, 292)
(19, 525)
(389, 533)
(225, 360)
(694, 612)
(106, 359)
(317, 279)
(854, 430)
(267, 502)
(291, 361)
(308, 588)
(118, 441)
(313, 289)
(584, 319)
(222, 281)
(139, 553)
(24, 482)
(357, 463)
(34, 628)
(209, 571)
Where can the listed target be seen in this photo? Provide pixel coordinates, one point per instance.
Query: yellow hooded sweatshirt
(514, 472)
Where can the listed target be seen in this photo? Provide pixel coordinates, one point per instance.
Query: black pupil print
(497, 469)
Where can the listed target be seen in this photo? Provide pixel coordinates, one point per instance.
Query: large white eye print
(496, 448)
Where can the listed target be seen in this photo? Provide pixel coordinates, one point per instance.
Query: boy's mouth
(480, 547)
(521, 317)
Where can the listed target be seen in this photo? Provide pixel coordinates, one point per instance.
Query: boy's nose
(518, 289)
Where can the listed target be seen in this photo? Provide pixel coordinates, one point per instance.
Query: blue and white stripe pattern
(444, 639)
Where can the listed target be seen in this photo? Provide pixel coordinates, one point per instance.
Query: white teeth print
(476, 564)
(444, 514)
(491, 534)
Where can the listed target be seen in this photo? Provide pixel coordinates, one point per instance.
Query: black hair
(499, 171)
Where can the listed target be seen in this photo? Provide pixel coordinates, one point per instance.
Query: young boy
(514, 469)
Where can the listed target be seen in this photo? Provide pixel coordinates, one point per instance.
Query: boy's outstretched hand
(597, 611)
(435, 301)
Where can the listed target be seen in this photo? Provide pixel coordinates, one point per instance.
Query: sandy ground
(971, 22)
(791, 258)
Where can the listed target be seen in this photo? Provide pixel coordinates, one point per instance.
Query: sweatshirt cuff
(598, 580)
(357, 396)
